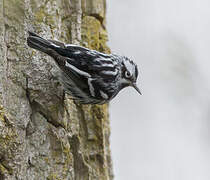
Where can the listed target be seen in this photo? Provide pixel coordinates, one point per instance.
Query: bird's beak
(137, 89)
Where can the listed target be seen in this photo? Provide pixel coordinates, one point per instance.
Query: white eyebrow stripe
(129, 66)
(78, 70)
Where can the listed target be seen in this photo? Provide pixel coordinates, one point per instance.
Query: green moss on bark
(93, 34)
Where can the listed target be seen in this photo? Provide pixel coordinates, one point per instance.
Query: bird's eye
(127, 74)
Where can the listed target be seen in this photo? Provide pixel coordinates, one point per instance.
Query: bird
(88, 76)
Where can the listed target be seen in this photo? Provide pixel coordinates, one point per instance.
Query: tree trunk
(43, 133)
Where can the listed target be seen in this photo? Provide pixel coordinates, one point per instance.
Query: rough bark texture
(44, 134)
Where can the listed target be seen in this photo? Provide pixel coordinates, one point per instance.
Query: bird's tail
(36, 42)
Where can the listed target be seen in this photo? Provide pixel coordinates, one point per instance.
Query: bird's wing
(81, 60)
(89, 61)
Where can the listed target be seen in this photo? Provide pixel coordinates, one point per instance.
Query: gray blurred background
(164, 134)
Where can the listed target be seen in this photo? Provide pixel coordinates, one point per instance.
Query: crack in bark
(83, 122)
(5, 166)
(53, 123)
(2, 177)
(81, 170)
(28, 133)
(27, 92)
(36, 107)
(4, 37)
(30, 165)
(99, 18)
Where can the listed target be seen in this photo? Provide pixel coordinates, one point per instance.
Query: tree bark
(43, 133)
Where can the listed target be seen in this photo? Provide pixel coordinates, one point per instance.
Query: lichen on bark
(43, 133)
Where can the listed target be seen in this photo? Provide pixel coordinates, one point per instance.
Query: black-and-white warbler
(89, 76)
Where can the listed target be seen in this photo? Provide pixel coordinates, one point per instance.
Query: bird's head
(129, 74)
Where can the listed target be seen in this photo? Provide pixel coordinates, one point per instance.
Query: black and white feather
(89, 76)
